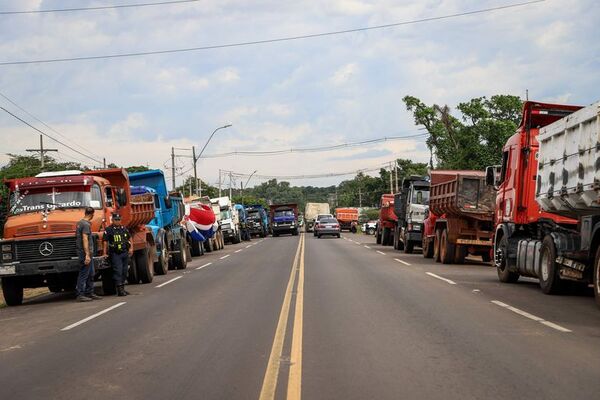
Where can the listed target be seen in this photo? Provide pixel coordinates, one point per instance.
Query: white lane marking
(169, 281)
(441, 278)
(380, 252)
(18, 346)
(237, 251)
(204, 266)
(531, 316)
(366, 247)
(224, 257)
(248, 246)
(358, 243)
(83, 321)
(401, 261)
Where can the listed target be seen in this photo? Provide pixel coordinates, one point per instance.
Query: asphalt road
(300, 317)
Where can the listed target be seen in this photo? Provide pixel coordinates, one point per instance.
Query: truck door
(506, 189)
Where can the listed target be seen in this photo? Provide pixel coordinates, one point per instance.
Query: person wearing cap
(119, 247)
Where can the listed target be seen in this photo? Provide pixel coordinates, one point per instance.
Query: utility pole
(230, 185)
(359, 197)
(396, 167)
(104, 163)
(173, 167)
(199, 188)
(391, 179)
(220, 173)
(42, 151)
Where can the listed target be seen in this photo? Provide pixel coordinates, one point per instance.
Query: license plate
(8, 270)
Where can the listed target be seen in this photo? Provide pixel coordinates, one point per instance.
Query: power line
(315, 149)
(313, 176)
(96, 8)
(275, 40)
(47, 126)
(48, 136)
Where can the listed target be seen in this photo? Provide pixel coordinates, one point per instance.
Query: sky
(291, 94)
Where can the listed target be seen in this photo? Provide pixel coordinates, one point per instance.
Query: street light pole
(198, 181)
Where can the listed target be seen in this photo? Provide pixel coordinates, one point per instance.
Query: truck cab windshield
(286, 213)
(35, 200)
(420, 196)
(225, 214)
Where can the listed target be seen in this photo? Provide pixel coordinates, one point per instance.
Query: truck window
(109, 197)
(96, 197)
(504, 167)
(420, 195)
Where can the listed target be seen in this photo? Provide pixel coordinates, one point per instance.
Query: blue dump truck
(258, 220)
(243, 216)
(284, 219)
(170, 236)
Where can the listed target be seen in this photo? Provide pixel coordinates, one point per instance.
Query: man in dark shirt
(85, 252)
(118, 246)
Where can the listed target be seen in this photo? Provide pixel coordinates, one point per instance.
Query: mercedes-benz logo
(46, 249)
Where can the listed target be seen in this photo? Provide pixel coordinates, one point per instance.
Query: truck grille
(46, 249)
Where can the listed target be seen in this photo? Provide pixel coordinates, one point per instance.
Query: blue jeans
(119, 264)
(85, 280)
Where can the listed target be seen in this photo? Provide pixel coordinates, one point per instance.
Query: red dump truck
(387, 221)
(346, 216)
(461, 217)
(38, 248)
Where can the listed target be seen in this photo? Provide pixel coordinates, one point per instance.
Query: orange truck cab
(387, 220)
(38, 246)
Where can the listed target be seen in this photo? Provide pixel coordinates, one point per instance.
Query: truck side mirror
(121, 197)
(168, 203)
(490, 176)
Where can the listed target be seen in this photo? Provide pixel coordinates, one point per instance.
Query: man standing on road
(85, 252)
(118, 246)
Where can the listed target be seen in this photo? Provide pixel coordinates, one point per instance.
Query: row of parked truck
(536, 215)
(38, 245)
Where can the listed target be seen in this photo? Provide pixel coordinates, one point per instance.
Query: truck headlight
(7, 248)
(6, 256)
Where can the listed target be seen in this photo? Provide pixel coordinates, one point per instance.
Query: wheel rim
(597, 275)
(545, 267)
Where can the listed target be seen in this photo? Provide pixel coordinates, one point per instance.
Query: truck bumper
(43, 267)
(228, 234)
(414, 237)
(285, 229)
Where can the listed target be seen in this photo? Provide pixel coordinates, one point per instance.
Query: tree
(475, 139)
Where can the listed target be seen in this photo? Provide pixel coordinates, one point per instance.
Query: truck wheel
(370, 231)
(550, 281)
(295, 232)
(132, 273)
(436, 246)
(427, 247)
(409, 248)
(397, 238)
(108, 284)
(597, 277)
(161, 266)
(196, 248)
(13, 291)
(143, 264)
(237, 238)
(447, 249)
(385, 236)
(504, 274)
(460, 254)
(180, 258)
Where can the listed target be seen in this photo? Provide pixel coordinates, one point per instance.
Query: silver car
(327, 226)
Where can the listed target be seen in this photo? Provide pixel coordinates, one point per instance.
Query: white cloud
(344, 74)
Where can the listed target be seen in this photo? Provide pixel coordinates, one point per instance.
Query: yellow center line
(294, 391)
(269, 385)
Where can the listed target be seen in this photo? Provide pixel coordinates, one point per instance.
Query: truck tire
(550, 281)
(447, 249)
(385, 236)
(397, 238)
(13, 291)
(378, 237)
(132, 273)
(180, 258)
(597, 277)
(460, 253)
(410, 247)
(108, 284)
(237, 238)
(143, 264)
(161, 266)
(427, 246)
(196, 248)
(436, 245)
(295, 232)
(504, 274)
